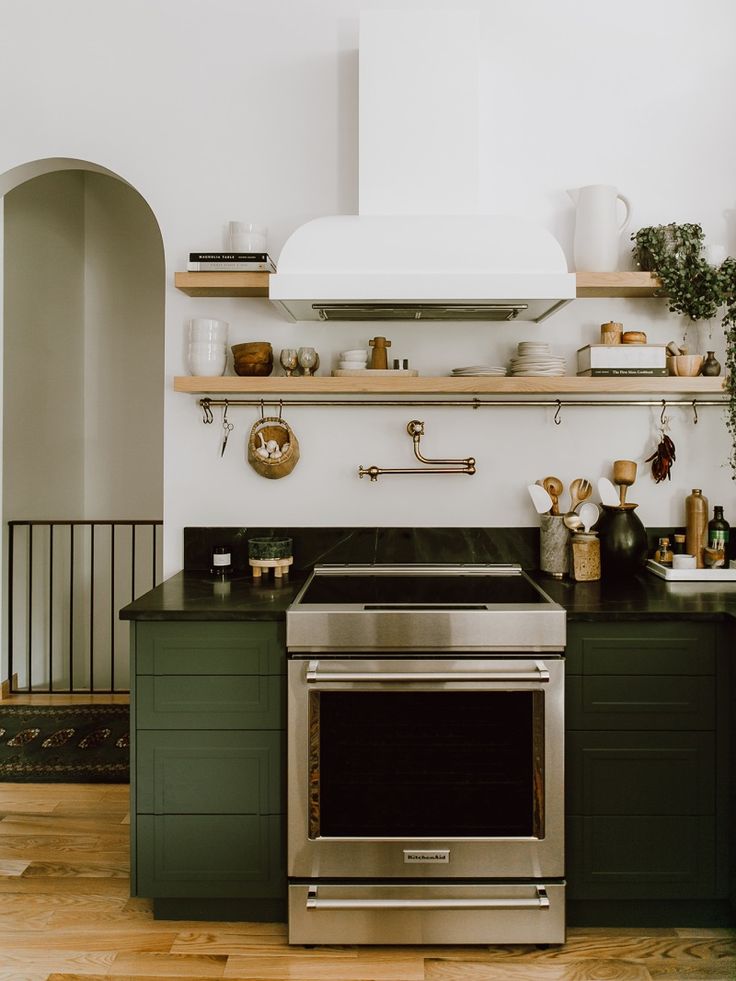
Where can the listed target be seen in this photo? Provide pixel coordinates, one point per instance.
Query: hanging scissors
(227, 428)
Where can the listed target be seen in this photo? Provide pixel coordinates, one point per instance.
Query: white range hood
(419, 250)
(454, 267)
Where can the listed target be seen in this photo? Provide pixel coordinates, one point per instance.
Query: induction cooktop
(448, 607)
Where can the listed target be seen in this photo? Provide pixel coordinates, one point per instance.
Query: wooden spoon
(553, 486)
(580, 490)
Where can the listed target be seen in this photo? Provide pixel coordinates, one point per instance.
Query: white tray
(372, 372)
(691, 575)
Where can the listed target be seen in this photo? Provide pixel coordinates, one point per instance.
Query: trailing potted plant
(695, 289)
(676, 254)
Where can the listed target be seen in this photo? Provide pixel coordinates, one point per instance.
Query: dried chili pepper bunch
(662, 458)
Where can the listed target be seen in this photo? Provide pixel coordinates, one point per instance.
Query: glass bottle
(718, 530)
(663, 555)
(679, 547)
(696, 525)
(221, 566)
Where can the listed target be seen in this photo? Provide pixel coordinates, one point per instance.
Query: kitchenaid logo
(426, 857)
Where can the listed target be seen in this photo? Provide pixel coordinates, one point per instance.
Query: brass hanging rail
(207, 404)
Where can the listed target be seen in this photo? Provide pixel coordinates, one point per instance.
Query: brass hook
(662, 416)
(207, 416)
(281, 408)
(263, 415)
(557, 419)
(695, 413)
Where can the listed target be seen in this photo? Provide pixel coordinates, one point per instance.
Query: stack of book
(230, 262)
(622, 359)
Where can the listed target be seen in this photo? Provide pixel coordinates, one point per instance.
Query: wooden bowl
(257, 369)
(253, 351)
(685, 365)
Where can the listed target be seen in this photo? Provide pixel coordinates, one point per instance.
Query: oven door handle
(541, 901)
(314, 675)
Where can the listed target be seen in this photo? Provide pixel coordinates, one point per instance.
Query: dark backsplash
(340, 545)
(315, 545)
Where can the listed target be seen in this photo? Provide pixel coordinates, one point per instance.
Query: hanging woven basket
(267, 429)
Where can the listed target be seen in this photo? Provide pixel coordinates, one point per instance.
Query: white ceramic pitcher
(597, 228)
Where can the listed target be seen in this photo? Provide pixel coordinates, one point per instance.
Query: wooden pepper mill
(379, 357)
(624, 475)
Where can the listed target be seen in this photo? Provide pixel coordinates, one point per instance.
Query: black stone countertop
(194, 596)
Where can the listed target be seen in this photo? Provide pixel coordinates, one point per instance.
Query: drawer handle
(540, 902)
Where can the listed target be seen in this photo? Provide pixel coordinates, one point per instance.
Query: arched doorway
(83, 368)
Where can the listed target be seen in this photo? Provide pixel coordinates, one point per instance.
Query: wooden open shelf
(589, 284)
(222, 283)
(443, 385)
(616, 284)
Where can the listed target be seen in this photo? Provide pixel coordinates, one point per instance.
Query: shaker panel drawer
(197, 648)
(209, 772)
(638, 648)
(217, 702)
(184, 855)
(640, 702)
(664, 857)
(631, 773)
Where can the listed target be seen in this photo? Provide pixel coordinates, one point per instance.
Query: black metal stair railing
(67, 581)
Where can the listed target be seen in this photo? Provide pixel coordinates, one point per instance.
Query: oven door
(426, 768)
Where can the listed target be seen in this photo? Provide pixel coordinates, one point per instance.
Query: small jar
(221, 566)
(679, 546)
(663, 555)
(586, 556)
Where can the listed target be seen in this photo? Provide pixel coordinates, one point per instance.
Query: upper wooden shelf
(444, 385)
(615, 284)
(589, 284)
(222, 283)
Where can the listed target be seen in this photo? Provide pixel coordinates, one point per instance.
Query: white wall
(240, 109)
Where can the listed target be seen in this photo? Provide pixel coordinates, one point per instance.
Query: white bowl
(356, 355)
(352, 365)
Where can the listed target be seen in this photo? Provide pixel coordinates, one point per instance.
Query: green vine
(696, 290)
(728, 286)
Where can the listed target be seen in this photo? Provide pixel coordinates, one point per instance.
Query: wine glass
(289, 360)
(307, 357)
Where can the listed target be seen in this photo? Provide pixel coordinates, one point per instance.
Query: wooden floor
(65, 914)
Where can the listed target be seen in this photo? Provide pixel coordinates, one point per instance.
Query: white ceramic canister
(207, 346)
(597, 226)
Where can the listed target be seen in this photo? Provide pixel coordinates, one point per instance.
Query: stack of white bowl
(356, 360)
(207, 347)
(535, 358)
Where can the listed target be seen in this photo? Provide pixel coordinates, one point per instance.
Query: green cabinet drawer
(216, 702)
(209, 772)
(665, 857)
(640, 702)
(633, 773)
(231, 855)
(640, 648)
(210, 648)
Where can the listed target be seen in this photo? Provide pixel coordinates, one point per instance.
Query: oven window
(426, 764)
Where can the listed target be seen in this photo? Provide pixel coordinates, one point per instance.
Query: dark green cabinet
(208, 755)
(647, 765)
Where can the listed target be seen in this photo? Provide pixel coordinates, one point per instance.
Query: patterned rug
(68, 744)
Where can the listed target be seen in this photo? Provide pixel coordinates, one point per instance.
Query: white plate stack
(535, 358)
(487, 370)
(355, 360)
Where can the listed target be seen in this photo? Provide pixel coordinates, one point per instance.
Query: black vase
(624, 544)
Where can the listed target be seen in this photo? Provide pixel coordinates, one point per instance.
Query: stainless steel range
(425, 758)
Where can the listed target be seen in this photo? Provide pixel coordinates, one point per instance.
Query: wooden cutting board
(367, 372)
